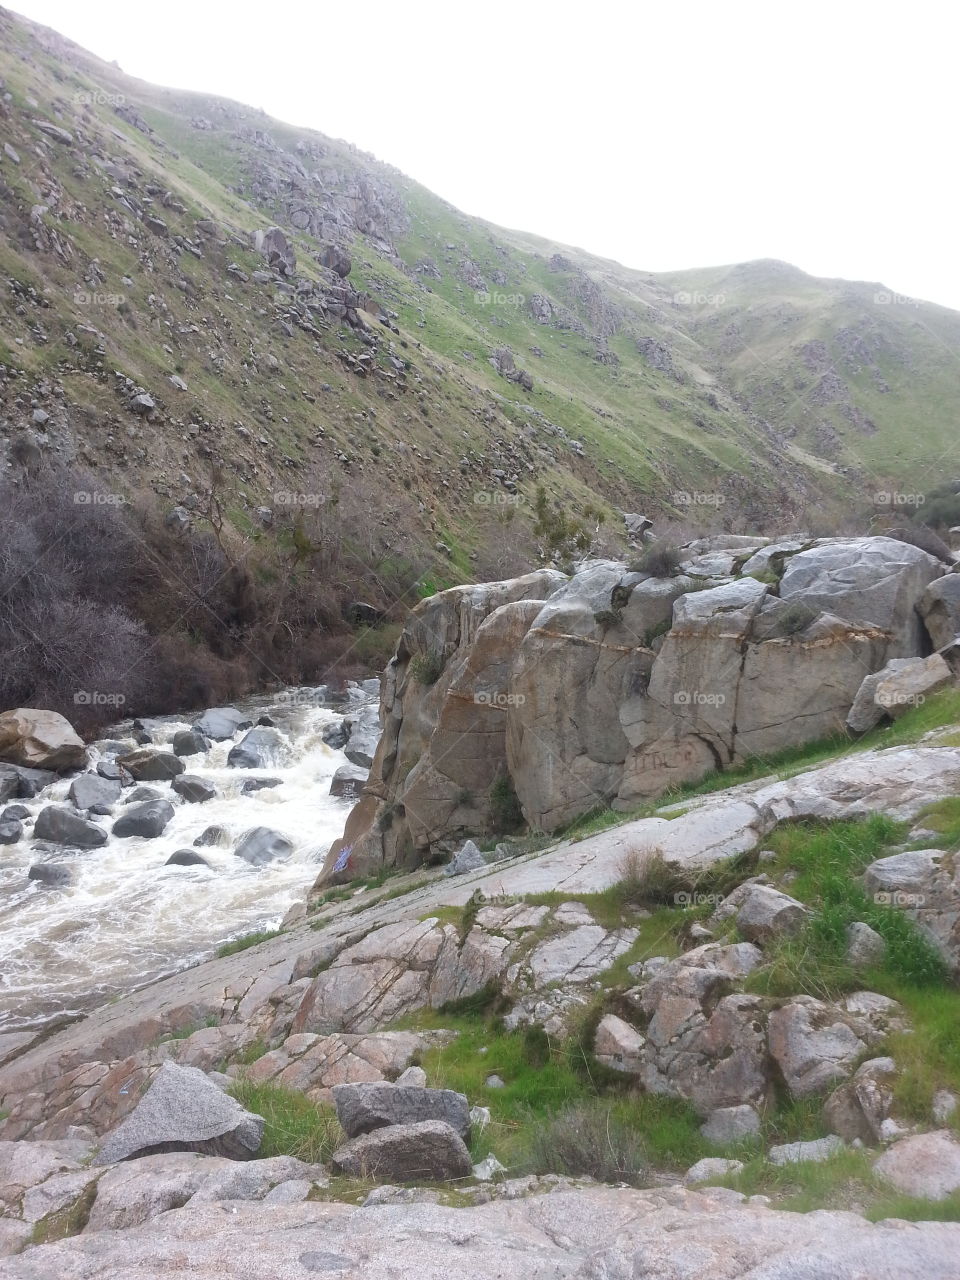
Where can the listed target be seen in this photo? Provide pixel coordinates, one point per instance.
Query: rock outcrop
(545, 696)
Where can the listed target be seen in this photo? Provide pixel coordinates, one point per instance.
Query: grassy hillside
(363, 423)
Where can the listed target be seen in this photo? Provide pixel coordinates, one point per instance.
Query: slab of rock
(40, 740)
(147, 820)
(866, 712)
(362, 1108)
(194, 789)
(184, 1111)
(857, 1109)
(220, 723)
(817, 1150)
(64, 826)
(926, 1164)
(90, 789)
(429, 1151)
(361, 746)
(147, 764)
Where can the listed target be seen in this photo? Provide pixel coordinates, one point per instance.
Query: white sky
(670, 135)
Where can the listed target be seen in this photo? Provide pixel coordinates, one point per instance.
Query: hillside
(376, 393)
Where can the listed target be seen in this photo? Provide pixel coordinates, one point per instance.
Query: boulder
(617, 1045)
(468, 858)
(866, 712)
(147, 764)
(416, 1078)
(14, 813)
(711, 1167)
(925, 1165)
(259, 748)
(53, 874)
(189, 742)
(184, 1111)
(220, 723)
(348, 781)
(912, 684)
(41, 740)
(212, 836)
(139, 794)
(361, 746)
(336, 734)
(731, 1124)
(194, 789)
(64, 826)
(865, 946)
(940, 609)
(9, 784)
(91, 789)
(427, 1151)
(110, 770)
(148, 820)
(812, 1045)
(261, 845)
(31, 781)
(925, 883)
(11, 830)
(186, 858)
(250, 786)
(364, 1107)
(765, 914)
(277, 250)
(856, 1110)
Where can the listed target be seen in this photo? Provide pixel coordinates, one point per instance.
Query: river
(127, 919)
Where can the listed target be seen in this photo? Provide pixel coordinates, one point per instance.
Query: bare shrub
(589, 1139)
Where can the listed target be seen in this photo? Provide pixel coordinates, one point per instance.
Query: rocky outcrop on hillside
(549, 695)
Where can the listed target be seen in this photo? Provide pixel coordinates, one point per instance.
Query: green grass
(943, 818)
(247, 941)
(295, 1126)
(827, 858)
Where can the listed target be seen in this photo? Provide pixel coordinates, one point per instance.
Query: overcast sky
(667, 135)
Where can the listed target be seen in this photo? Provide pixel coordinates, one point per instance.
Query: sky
(666, 136)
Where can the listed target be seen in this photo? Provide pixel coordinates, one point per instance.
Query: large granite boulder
(940, 609)
(364, 1107)
(184, 1111)
(147, 764)
(259, 748)
(40, 740)
(220, 723)
(59, 825)
(148, 820)
(91, 789)
(925, 883)
(427, 1151)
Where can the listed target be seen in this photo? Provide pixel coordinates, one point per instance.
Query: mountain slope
(420, 369)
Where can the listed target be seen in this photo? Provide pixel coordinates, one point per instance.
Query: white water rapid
(126, 918)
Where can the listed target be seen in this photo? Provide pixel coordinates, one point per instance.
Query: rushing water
(128, 919)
